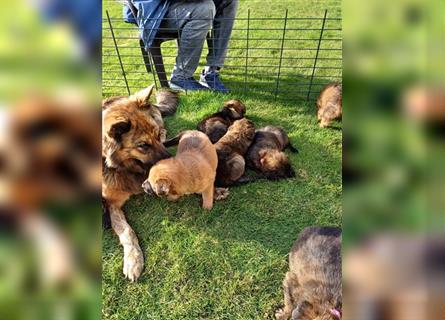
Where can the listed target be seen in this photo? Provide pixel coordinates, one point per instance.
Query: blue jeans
(194, 20)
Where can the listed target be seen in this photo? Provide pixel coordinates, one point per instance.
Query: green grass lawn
(227, 263)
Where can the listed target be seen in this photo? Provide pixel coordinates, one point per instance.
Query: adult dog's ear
(142, 97)
(118, 129)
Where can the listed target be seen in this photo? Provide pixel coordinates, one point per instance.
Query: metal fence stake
(316, 55)
(281, 54)
(247, 50)
(153, 68)
(118, 54)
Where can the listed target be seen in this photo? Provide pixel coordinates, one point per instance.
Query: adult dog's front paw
(133, 262)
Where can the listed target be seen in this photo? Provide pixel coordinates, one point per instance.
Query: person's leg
(222, 29)
(194, 20)
(218, 43)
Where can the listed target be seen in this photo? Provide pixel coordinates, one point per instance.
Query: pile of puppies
(236, 143)
(217, 155)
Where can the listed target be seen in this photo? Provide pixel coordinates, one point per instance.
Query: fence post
(281, 53)
(247, 50)
(153, 68)
(316, 55)
(117, 51)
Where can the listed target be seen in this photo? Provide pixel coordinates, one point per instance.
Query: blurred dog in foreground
(48, 154)
(216, 125)
(329, 104)
(265, 155)
(312, 287)
(132, 136)
(192, 170)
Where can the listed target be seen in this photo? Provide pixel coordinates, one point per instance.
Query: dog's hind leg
(207, 198)
(237, 167)
(133, 257)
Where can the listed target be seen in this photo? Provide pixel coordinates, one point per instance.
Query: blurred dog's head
(50, 149)
(131, 136)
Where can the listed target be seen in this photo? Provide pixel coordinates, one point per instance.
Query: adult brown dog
(266, 156)
(192, 170)
(231, 149)
(217, 124)
(312, 287)
(329, 104)
(132, 135)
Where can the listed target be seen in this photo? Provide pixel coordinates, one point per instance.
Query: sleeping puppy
(231, 149)
(329, 104)
(192, 170)
(266, 156)
(312, 287)
(216, 125)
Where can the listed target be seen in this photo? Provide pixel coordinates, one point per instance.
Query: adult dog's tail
(167, 102)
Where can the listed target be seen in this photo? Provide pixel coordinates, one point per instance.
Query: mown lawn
(227, 263)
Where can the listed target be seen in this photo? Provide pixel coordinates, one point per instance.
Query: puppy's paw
(133, 262)
(221, 193)
(281, 315)
(324, 124)
(207, 206)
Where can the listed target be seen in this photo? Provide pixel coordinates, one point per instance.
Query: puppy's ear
(118, 129)
(163, 187)
(142, 97)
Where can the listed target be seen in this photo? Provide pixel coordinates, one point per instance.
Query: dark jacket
(149, 16)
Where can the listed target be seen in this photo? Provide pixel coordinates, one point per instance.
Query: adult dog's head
(131, 132)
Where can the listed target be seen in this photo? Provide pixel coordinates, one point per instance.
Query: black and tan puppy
(217, 124)
(312, 287)
(266, 156)
(329, 104)
(192, 170)
(231, 149)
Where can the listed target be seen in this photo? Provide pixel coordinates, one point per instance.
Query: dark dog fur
(217, 124)
(266, 156)
(231, 149)
(132, 136)
(312, 287)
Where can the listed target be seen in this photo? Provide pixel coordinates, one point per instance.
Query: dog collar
(336, 313)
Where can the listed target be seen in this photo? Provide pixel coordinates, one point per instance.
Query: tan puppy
(329, 104)
(192, 170)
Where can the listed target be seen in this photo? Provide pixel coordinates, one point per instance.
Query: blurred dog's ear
(118, 129)
(142, 97)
